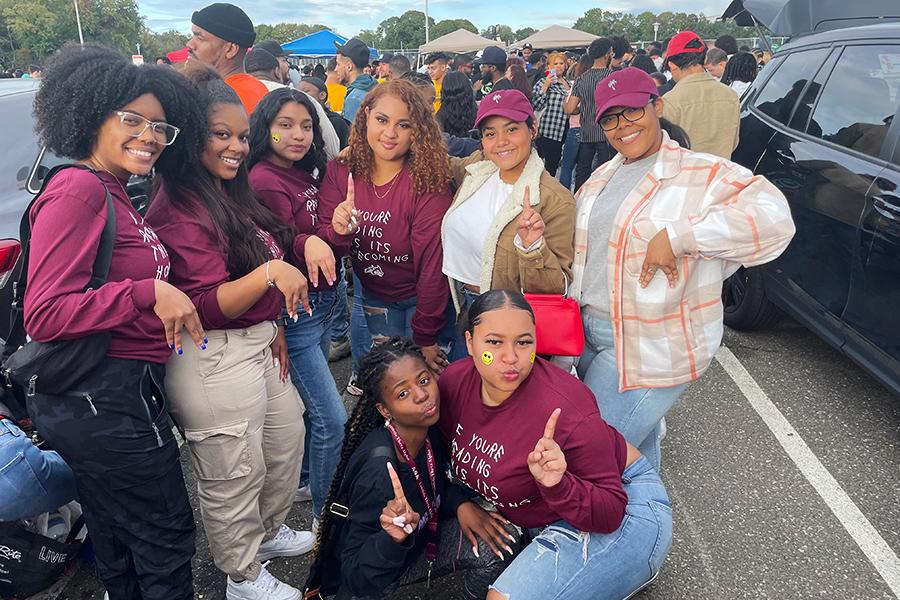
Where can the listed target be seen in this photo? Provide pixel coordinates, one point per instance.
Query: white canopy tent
(461, 40)
(557, 36)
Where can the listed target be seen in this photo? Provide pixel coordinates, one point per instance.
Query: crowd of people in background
(443, 195)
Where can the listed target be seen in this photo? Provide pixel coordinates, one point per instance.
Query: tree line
(30, 30)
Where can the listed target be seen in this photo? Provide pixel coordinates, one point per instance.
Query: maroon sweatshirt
(66, 223)
(199, 264)
(292, 195)
(489, 447)
(396, 252)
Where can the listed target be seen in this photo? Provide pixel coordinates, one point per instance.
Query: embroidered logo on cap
(612, 84)
(497, 98)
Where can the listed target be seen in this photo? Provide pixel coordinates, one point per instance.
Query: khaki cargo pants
(244, 429)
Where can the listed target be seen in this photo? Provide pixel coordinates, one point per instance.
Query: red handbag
(558, 322)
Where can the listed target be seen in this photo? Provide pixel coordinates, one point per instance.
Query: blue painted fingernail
(180, 352)
(203, 347)
(205, 341)
(171, 346)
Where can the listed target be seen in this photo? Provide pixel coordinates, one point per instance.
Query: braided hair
(365, 417)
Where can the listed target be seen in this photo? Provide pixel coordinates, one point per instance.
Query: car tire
(747, 307)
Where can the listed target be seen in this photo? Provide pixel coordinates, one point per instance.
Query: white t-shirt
(466, 228)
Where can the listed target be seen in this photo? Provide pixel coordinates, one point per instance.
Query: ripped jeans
(562, 562)
(394, 319)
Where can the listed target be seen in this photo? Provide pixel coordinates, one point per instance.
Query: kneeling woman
(242, 418)
(406, 521)
(529, 438)
(287, 162)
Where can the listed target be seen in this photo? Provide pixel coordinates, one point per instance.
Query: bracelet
(269, 281)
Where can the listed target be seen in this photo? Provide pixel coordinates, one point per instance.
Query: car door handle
(890, 210)
(785, 155)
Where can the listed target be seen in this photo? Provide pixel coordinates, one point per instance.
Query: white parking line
(854, 521)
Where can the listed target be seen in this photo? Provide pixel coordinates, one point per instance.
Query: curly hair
(83, 86)
(458, 108)
(520, 80)
(232, 206)
(261, 124)
(429, 165)
(740, 67)
(365, 417)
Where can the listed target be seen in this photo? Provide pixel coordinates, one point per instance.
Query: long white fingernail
(408, 528)
(508, 549)
(296, 316)
(399, 521)
(475, 551)
(309, 312)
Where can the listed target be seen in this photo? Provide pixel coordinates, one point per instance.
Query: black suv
(820, 123)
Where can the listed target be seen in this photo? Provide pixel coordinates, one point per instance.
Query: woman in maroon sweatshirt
(528, 437)
(113, 427)
(388, 215)
(287, 161)
(241, 415)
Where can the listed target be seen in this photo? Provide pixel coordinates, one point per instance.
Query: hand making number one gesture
(398, 518)
(547, 462)
(346, 218)
(531, 225)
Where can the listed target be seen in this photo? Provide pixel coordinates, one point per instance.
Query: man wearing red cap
(699, 104)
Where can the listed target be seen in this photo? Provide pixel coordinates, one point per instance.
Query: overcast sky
(350, 16)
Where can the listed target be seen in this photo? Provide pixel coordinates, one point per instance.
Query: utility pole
(427, 33)
(78, 20)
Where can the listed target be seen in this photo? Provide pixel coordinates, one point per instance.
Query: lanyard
(430, 508)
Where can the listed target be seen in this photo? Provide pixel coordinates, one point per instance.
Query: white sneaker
(266, 587)
(352, 388)
(286, 542)
(303, 494)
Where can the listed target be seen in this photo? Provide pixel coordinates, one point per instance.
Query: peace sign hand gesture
(547, 462)
(398, 518)
(531, 225)
(346, 218)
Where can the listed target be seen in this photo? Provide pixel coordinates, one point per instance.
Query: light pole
(655, 31)
(427, 36)
(78, 20)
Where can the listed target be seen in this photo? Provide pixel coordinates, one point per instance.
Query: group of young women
(466, 451)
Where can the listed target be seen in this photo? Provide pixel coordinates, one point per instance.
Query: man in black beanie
(221, 34)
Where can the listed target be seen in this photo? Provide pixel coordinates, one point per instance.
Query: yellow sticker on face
(533, 356)
(487, 358)
(276, 138)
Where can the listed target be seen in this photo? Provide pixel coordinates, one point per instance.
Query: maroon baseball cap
(684, 42)
(511, 104)
(631, 87)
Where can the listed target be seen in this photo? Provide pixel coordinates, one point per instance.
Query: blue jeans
(466, 298)
(360, 340)
(569, 157)
(339, 328)
(562, 562)
(32, 481)
(308, 340)
(637, 414)
(394, 319)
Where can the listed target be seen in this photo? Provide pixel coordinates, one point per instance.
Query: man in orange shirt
(221, 34)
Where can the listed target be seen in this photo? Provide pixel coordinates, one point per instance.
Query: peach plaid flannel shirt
(719, 216)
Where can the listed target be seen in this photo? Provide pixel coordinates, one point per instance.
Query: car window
(860, 99)
(780, 93)
(45, 161)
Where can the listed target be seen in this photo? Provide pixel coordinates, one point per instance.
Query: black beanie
(226, 21)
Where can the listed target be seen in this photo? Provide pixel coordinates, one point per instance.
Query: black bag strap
(77, 526)
(99, 272)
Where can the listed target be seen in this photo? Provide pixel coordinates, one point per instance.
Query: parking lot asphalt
(783, 467)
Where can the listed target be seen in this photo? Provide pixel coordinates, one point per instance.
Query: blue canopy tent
(318, 44)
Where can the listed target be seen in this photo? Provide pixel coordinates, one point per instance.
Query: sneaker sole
(264, 556)
(230, 596)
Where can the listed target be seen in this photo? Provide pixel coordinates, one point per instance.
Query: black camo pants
(114, 432)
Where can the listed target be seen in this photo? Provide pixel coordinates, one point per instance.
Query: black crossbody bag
(54, 367)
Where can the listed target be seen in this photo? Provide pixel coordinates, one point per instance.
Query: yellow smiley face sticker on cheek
(276, 138)
(487, 358)
(533, 356)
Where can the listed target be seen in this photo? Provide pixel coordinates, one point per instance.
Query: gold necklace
(390, 189)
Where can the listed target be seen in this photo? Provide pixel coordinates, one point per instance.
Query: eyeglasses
(611, 121)
(136, 125)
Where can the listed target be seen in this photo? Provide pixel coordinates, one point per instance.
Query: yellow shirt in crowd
(336, 93)
(437, 94)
